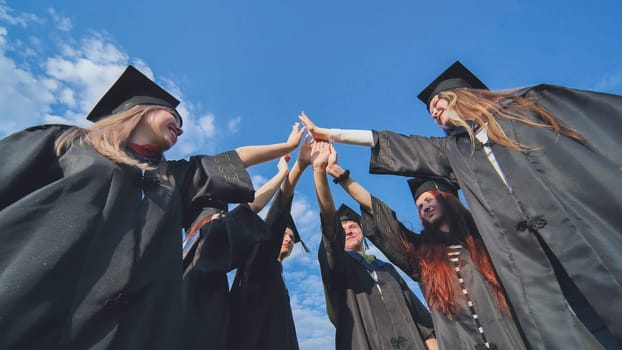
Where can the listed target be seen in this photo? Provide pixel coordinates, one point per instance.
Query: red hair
(438, 278)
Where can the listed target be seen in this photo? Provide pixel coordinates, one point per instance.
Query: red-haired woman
(448, 259)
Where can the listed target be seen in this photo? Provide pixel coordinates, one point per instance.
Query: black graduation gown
(261, 314)
(223, 245)
(564, 206)
(369, 312)
(463, 331)
(91, 250)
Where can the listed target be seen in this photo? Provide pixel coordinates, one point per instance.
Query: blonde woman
(540, 170)
(91, 222)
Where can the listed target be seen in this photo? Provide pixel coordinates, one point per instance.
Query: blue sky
(245, 69)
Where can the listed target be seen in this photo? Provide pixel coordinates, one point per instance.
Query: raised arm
(251, 155)
(303, 161)
(265, 192)
(348, 136)
(279, 214)
(353, 188)
(331, 254)
(319, 157)
(398, 243)
(282, 202)
(392, 153)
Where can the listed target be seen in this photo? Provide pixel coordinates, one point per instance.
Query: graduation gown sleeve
(221, 177)
(396, 154)
(332, 260)
(391, 237)
(276, 222)
(29, 162)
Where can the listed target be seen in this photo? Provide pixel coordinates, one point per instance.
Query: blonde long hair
(108, 136)
(482, 106)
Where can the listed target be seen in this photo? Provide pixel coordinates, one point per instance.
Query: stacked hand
(315, 131)
(304, 155)
(332, 167)
(295, 136)
(320, 153)
(282, 165)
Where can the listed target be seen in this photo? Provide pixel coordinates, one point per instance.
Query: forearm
(287, 187)
(353, 188)
(431, 343)
(251, 155)
(391, 237)
(352, 137)
(265, 192)
(325, 201)
(413, 155)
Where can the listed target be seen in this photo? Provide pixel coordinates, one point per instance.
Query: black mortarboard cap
(456, 76)
(292, 226)
(131, 88)
(420, 185)
(211, 207)
(346, 213)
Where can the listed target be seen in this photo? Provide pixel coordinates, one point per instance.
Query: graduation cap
(456, 76)
(193, 233)
(132, 88)
(292, 226)
(346, 213)
(420, 185)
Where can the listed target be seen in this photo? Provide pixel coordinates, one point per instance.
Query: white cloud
(62, 23)
(67, 97)
(24, 98)
(303, 212)
(308, 306)
(77, 71)
(22, 19)
(611, 83)
(54, 119)
(234, 124)
(3, 34)
(258, 180)
(207, 125)
(168, 84)
(67, 50)
(313, 329)
(88, 78)
(100, 50)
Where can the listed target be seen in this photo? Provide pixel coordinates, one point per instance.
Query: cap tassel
(304, 246)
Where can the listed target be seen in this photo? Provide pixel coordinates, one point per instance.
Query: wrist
(334, 170)
(319, 167)
(303, 164)
(326, 133)
(342, 177)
